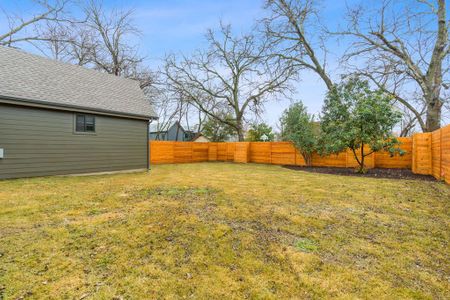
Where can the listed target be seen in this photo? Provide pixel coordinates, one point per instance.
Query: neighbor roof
(29, 78)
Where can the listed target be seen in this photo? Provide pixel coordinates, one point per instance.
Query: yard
(220, 230)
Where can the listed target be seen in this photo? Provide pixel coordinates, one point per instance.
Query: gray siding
(41, 142)
(174, 133)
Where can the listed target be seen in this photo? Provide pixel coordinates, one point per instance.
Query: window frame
(75, 119)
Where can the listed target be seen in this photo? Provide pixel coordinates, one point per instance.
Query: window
(84, 123)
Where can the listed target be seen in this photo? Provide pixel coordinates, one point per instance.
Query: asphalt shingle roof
(35, 78)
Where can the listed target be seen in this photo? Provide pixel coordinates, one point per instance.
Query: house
(176, 132)
(57, 118)
(200, 138)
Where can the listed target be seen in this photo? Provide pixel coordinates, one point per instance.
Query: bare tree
(293, 27)
(29, 29)
(408, 122)
(235, 74)
(166, 105)
(404, 50)
(113, 53)
(82, 45)
(55, 43)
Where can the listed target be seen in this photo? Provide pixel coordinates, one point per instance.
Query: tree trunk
(434, 107)
(362, 168)
(432, 91)
(308, 159)
(241, 135)
(240, 130)
(360, 162)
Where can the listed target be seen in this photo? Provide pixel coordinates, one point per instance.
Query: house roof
(33, 79)
(198, 135)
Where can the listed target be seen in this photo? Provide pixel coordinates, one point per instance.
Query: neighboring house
(233, 138)
(176, 132)
(200, 138)
(57, 118)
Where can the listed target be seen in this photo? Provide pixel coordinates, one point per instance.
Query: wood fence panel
(182, 152)
(200, 152)
(383, 159)
(299, 160)
(436, 154)
(212, 152)
(283, 153)
(242, 152)
(333, 160)
(161, 152)
(231, 147)
(445, 153)
(422, 153)
(261, 152)
(222, 151)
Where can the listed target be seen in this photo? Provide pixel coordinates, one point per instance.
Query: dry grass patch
(217, 230)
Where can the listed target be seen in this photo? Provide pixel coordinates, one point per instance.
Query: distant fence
(426, 153)
(277, 153)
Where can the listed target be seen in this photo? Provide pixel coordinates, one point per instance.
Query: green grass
(218, 230)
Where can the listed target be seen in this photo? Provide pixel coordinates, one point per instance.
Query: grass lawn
(219, 230)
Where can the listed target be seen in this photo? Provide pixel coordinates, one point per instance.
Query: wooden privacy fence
(432, 153)
(277, 153)
(426, 153)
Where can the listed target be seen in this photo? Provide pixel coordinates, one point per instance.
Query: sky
(179, 26)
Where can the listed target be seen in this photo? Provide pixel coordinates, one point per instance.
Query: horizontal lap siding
(41, 142)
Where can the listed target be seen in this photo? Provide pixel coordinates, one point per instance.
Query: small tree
(299, 127)
(358, 118)
(217, 131)
(256, 131)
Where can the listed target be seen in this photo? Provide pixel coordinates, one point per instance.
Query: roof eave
(67, 107)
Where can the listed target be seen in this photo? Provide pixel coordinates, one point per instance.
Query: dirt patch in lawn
(375, 173)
